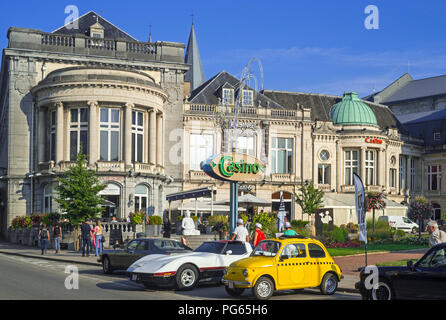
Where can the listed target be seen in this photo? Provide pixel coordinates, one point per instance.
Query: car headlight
(245, 272)
(137, 265)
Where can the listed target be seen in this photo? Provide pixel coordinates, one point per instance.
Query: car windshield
(211, 247)
(266, 248)
(169, 245)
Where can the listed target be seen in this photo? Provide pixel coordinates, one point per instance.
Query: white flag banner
(360, 208)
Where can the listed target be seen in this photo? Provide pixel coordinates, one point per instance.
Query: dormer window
(247, 98)
(228, 96)
(97, 35)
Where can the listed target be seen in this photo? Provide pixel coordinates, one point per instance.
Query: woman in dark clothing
(167, 228)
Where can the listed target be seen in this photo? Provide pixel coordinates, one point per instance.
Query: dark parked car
(424, 279)
(121, 259)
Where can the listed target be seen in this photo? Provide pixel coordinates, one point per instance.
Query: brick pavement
(350, 264)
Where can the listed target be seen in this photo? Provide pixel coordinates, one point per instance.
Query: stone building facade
(94, 88)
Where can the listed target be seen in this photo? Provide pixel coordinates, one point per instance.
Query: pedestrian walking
(86, 237)
(98, 235)
(57, 236)
(240, 233)
(167, 228)
(258, 235)
(436, 235)
(44, 236)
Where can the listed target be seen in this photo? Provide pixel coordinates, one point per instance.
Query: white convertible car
(185, 270)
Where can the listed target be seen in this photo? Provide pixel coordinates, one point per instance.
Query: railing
(145, 48)
(202, 108)
(144, 168)
(283, 113)
(346, 188)
(100, 44)
(58, 40)
(111, 166)
(198, 175)
(282, 177)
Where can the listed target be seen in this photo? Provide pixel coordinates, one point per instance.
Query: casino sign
(233, 167)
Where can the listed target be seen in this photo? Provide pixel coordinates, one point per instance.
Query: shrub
(337, 235)
(136, 217)
(346, 244)
(352, 228)
(244, 217)
(268, 222)
(155, 220)
(298, 224)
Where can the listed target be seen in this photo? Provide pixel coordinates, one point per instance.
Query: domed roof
(352, 111)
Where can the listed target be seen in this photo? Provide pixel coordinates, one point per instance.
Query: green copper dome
(352, 111)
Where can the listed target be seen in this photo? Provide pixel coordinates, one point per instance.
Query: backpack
(44, 234)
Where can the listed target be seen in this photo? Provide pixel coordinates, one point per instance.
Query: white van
(400, 223)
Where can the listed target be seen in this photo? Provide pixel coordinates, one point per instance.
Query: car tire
(187, 277)
(383, 292)
(414, 230)
(106, 265)
(329, 284)
(263, 289)
(234, 292)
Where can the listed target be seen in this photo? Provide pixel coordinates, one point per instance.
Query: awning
(190, 194)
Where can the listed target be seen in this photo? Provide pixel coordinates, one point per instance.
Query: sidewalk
(35, 252)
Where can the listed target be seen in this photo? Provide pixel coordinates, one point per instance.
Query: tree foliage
(77, 192)
(310, 199)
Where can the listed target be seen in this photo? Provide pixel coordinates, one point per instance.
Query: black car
(121, 259)
(424, 279)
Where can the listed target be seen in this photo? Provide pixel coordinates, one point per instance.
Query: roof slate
(89, 19)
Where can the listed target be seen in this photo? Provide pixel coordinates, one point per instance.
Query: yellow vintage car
(284, 263)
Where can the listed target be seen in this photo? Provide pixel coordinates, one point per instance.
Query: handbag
(103, 239)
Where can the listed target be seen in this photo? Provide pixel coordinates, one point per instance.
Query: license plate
(134, 277)
(230, 284)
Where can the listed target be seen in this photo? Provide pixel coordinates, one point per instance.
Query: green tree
(77, 194)
(310, 199)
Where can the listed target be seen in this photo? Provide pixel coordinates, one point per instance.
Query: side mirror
(410, 265)
(229, 252)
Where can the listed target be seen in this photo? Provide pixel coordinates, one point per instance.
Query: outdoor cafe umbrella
(247, 200)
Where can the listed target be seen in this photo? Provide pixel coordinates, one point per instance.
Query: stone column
(59, 132)
(362, 165)
(128, 134)
(146, 137)
(409, 160)
(41, 135)
(93, 133)
(159, 139)
(152, 141)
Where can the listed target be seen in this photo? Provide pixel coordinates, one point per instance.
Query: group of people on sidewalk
(90, 236)
(44, 236)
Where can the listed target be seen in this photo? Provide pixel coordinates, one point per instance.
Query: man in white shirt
(240, 233)
(436, 235)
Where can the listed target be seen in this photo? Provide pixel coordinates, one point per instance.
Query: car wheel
(384, 291)
(263, 289)
(106, 265)
(414, 230)
(329, 284)
(234, 292)
(187, 277)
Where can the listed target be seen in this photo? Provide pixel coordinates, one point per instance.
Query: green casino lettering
(228, 167)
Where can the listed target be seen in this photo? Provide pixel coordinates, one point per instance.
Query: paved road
(30, 278)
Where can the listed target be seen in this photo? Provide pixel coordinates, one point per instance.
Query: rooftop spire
(195, 75)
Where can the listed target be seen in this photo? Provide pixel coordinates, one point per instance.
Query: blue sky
(309, 46)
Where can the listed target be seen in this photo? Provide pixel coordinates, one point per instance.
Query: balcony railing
(111, 166)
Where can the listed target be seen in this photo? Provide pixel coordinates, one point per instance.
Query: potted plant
(154, 226)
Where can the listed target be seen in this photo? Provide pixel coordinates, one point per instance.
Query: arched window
(141, 198)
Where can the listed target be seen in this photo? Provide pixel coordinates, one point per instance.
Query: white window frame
(321, 175)
(139, 197)
(392, 177)
(247, 98)
(228, 96)
(137, 130)
(109, 127)
(369, 163)
(352, 164)
(431, 176)
(244, 145)
(275, 149)
(78, 126)
(47, 197)
(202, 146)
